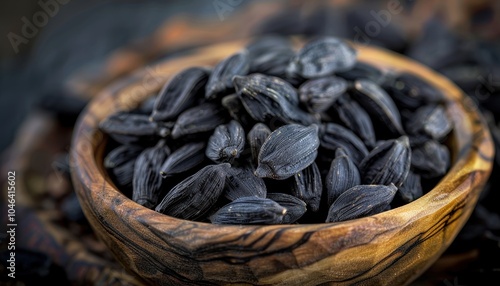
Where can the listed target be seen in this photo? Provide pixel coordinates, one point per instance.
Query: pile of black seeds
(275, 135)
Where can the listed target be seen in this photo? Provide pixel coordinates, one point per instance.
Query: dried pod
(120, 164)
(319, 94)
(360, 201)
(410, 91)
(226, 143)
(131, 128)
(295, 207)
(220, 81)
(267, 97)
(411, 188)
(388, 163)
(334, 136)
(307, 186)
(236, 110)
(431, 159)
(431, 121)
(194, 196)
(343, 175)
(180, 93)
(355, 117)
(363, 71)
(199, 119)
(241, 182)
(378, 104)
(256, 137)
(147, 181)
(183, 159)
(287, 151)
(323, 57)
(249, 210)
(270, 55)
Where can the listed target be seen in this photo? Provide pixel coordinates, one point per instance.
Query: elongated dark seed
(249, 210)
(295, 207)
(180, 93)
(343, 175)
(411, 188)
(430, 160)
(241, 182)
(131, 128)
(430, 120)
(147, 181)
(256, 137)
(193, 197)
(323, 57)
(388, 163)
(410, 91)
(355, 117)
(360, 201)
(379, 104)
(220, 81)
(270, 55)
(319, 94)
(287, 151)
(334, 136)
(202, 118)
(183, 159)
(120, 164)
(226, 143)
(308, 186)
(267, 97)
(236, 110)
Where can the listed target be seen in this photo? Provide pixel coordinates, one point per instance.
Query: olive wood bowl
(391, 248)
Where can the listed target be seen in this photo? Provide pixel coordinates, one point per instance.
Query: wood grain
(391, 248)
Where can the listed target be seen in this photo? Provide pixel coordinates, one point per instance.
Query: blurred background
(55, 55)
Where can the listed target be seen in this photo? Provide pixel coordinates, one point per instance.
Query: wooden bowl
(393, 247)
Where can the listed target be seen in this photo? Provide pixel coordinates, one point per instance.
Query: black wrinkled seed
(334, 136)
(226, 143)
(411, 188)
(202, 118)
(220, 81)
(241, 182)
(183, 159)
(430, 160)
(249, 210)
(429, 120)
(256, 137)
(287, 151)
(360, 201)
(193, 197)
(308, 187)
(181, 92)
(343, 175)
(319, 94)
(295, 207)
(388, 163)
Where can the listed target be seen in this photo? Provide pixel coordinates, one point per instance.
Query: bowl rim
(472, 142)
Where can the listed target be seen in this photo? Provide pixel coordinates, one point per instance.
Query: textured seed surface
(226, 143)
(343, 175)
(411, 188)
(256, 137)
(202, 118)
(355, 117)
(431, 160)
(379, 104)
(193, 197)
(295, 207)
(250, 210)
(241, 182)
(129, 128)
(220, 81)
(409, 91)
(120, 163)
(360, 201)
(319, 94)
(270, 55)
(388, 163)
(267, 97)
(430, 120)
(335, 136)
(147, 181)
(287, 151)
(308, 186)
(323, 57)
(181, 92)
(183, 159)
